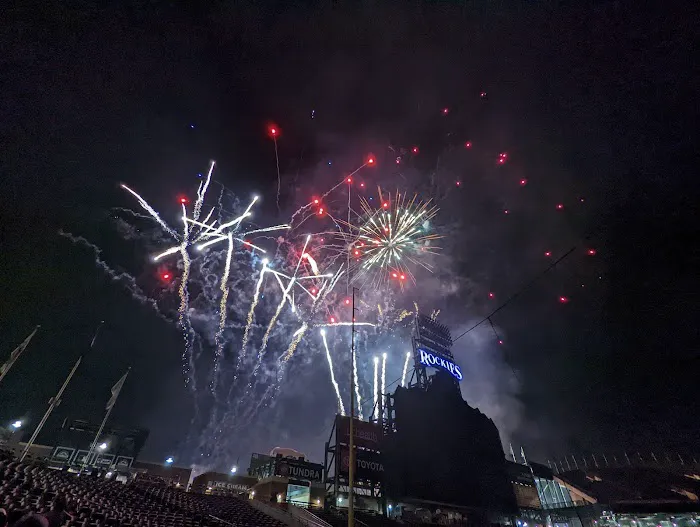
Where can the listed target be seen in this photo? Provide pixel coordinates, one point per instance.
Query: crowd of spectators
(34, 495)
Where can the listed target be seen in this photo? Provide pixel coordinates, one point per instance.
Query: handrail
(308, 517)
(275, 512)
(222, 520)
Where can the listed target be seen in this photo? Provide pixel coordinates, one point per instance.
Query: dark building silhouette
(442, 450)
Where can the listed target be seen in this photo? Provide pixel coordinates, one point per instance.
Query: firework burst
(393, 239)
(229, 296)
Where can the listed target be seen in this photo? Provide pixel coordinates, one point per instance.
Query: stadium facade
(220, 484)
(285, 479)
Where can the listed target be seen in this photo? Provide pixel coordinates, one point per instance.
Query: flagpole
(53, 403)
(113, 401)
(16, 353)
(97, 437)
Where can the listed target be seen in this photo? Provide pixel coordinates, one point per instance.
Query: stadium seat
(147, 501)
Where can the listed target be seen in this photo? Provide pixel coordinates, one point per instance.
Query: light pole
(351, 446)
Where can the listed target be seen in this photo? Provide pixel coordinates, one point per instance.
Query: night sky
(593, 104)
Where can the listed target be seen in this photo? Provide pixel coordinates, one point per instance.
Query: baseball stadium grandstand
(63, 498)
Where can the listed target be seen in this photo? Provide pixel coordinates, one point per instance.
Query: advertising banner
(228, 485)
(124, 462)
(62, 454)
(298, 469)
(104, 460)
(367, 435)
(368, 465)
(81, 456)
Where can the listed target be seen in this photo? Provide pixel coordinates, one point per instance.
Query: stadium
(259, 218)
(403, 474)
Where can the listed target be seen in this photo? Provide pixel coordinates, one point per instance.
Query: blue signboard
(436, 361)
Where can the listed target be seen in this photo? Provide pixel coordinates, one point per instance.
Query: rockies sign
(427, 358)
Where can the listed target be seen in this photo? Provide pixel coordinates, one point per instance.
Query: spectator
(3, 518)
(32, 520)
(57, 515)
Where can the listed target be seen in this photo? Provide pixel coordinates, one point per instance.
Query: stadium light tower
(169, 460)
(16, 425)
(234, 469)
(103, 446)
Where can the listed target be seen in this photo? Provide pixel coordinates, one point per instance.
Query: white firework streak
(210, 232)
(278, 311)
(273, 320)
(285, 296)
(283, 359)
(296, 339)
(381, 394)
(341, 407)
(375, 411)
(220, 237)
(144, 204)
(405, 368)
(312, 262)
(219, 231)
(222, 317)
(335, 324)
(303, 252)
(206, 220)
(300, 332)
(206, 231)
(201, 192)
(268, 229)
(357, 385)
(263, 347)
(183, 317)
(251, 313)
(167, 252)
(334, 281)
